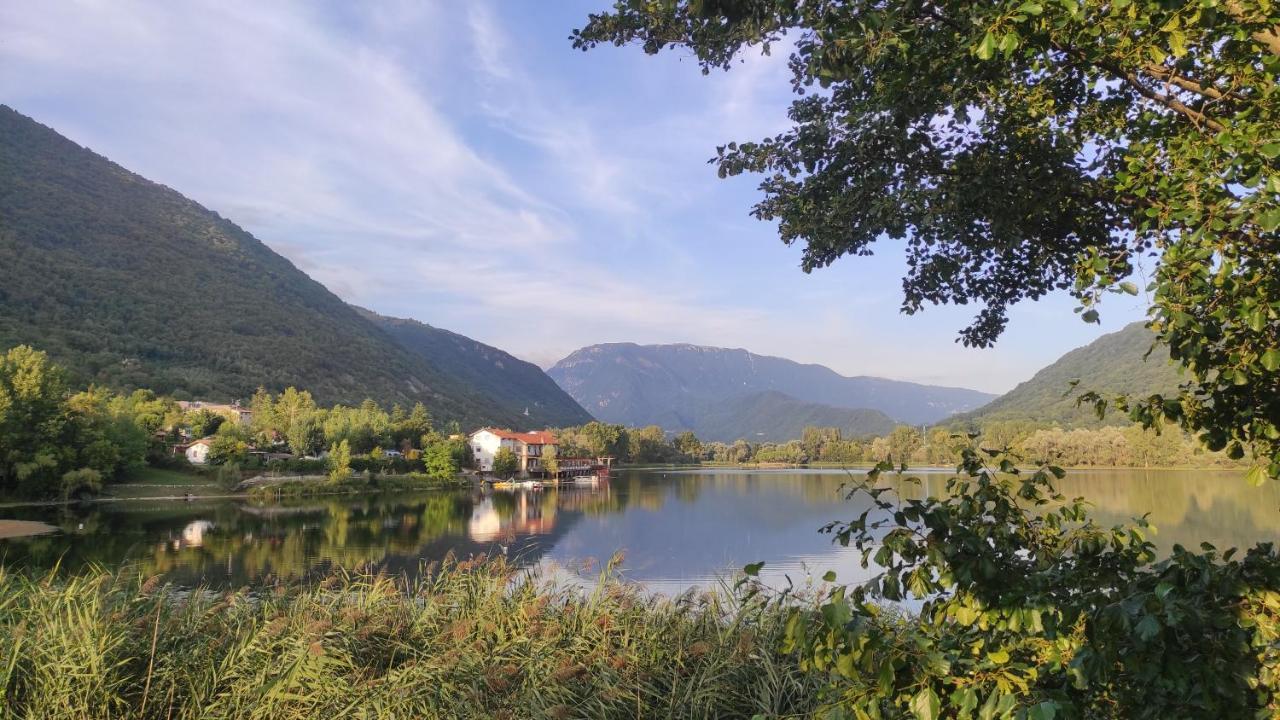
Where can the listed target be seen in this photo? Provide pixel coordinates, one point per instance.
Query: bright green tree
(550, 459)
(1021, 147)
(339, 461)
(505, 463)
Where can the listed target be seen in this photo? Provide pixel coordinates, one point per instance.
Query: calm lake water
(677, 529)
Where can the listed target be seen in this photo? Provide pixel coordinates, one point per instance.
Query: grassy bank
(307, 486)
(464, 642)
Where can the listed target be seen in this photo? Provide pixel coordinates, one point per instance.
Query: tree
(903, 443)
(689, 445)
(339, 461)
(550, 460)
(505, 463)
(204, 422)
(440, 460)
(1020, 148)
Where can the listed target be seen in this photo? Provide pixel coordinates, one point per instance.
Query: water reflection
(677, 529)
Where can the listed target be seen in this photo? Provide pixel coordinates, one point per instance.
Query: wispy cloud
(460, 164)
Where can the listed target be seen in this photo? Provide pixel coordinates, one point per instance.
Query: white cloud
(440, 161)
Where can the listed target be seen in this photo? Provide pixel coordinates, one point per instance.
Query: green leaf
(753, 569)
(1148, 628)
(1257, 475)
(1271, 359)
(987, 47)
(925, 705)
(1269, 220)
(999, 657)
(830, 576)
(1270, 150)
(1046, 710)
(1129, 288)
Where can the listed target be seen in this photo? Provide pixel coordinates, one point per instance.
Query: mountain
(1114, 363)
(129, 284)
(513, 383)
(674, 385)
(775, 417)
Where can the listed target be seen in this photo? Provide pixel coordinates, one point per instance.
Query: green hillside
(129, 284)
(775, 417)
(516, 385)
(1114, 363)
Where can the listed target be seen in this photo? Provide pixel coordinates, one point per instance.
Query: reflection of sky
(694, 541)
(677, 530)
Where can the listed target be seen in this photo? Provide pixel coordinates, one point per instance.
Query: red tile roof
(537, 437)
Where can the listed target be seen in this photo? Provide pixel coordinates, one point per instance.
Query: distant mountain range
(129, 284)
(1114, 363)
(721, 393)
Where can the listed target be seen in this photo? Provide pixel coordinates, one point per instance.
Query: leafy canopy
(1024, 146)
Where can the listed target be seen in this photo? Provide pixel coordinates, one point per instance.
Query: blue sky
(461, 164)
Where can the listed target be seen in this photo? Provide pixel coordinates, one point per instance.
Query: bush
(85, 481)
(474, 640)
(1031, 610)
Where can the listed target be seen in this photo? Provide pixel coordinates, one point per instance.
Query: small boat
(586, 479)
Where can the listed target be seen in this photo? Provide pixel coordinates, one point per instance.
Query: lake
(677, 529)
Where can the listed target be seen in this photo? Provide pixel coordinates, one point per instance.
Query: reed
(463, 640)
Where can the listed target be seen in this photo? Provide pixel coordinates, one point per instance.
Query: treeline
(1124, 446)
(56, 442)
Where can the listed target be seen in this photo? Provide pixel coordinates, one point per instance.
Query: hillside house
(527, 446)
(234, 411)
(198, 452)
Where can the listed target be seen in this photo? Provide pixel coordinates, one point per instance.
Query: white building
(527, 446)
(198, 451)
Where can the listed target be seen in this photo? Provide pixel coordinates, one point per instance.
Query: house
(527, 446)
(198, 451)
(234, 411)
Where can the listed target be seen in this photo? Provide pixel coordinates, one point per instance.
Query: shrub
(1031, 610)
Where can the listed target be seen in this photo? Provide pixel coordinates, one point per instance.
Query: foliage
(1029, 609)
(46, 434)
(464, 640)
(505, 463)
(1127, 362)
(441, 459)
(339, 461)
(203, 422)
(903, 443)
(113, 276)
(1020, 148)
(551, 460)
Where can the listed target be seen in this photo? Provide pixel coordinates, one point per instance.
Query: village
(501, 457)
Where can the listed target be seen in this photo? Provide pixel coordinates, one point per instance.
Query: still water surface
(677, 529)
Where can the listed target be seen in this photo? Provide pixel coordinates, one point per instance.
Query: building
(198, 452)
(527, 446)
(234, 411)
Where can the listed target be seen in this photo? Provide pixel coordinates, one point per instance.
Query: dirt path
(23, 528)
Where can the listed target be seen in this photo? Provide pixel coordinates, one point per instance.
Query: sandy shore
(23, 528)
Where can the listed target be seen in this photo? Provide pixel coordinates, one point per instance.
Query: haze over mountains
(129, 284)
(704, 388)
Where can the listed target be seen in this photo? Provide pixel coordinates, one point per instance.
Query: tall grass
(466, 640)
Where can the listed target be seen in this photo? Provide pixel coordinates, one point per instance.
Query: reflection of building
(527, 446)
(193, 534)
(528, 516)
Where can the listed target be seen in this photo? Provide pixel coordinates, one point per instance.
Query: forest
(58, 443)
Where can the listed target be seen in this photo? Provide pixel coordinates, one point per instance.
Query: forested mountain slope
(515, 384)
(642, 384)
(129, 284)
(1114, 363)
